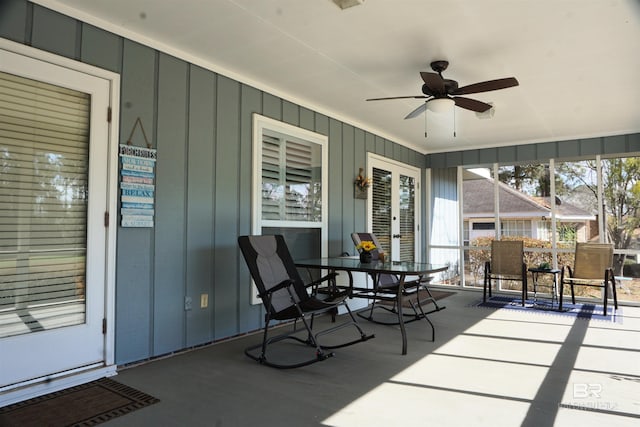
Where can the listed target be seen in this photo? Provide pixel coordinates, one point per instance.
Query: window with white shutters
(291, 180)
(290, 186)
(272, 178)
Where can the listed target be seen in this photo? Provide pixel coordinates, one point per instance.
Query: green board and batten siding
(201, 124)
(539, 152)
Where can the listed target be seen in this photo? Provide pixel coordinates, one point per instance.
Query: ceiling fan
(436, 88)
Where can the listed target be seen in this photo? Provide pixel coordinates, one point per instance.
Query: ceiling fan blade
(434, 82)
(471, 104)
(487, 86)
(415, 113)
(397, 97)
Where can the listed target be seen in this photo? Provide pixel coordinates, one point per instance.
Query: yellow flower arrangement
(366, 245)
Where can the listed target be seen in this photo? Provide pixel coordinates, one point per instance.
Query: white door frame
(396, 167)
(36, 387)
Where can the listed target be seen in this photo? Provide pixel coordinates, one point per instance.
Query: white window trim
(260, 124)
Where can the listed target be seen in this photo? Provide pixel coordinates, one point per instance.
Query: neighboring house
(521, 214)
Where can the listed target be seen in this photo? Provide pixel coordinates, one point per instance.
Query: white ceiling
(578, 61)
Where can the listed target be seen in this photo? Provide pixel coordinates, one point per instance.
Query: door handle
(397, 236)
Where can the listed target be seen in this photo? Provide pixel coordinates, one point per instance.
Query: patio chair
(506, 263)
(286, 298)
(385, 292)
(593, 266)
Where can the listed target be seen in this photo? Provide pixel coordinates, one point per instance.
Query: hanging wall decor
(137, 183)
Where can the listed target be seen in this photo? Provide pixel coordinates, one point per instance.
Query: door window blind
(44, 148)
(407, 218)
(381, 205)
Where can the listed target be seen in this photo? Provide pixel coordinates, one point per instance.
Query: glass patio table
(401, 269)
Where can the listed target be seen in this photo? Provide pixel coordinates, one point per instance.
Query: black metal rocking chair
(286, 297)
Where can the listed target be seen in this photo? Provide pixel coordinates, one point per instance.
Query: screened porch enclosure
(549, 207)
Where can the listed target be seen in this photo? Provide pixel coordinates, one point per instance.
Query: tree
(530, 179)
(621, 196)
(621, 191)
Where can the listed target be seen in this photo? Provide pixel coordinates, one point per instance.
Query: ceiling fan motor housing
(439, 66)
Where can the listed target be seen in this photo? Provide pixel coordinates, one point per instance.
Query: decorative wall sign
(137, 186)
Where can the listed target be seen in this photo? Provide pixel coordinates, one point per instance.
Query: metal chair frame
(592, 267)
(270, 255)
(507, 263)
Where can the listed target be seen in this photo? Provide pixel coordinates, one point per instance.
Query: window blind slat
(24, 132)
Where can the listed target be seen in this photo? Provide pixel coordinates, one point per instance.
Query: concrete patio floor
(486, 368)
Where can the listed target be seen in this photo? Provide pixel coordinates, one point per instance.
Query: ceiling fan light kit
(441, 105)
(443, 94)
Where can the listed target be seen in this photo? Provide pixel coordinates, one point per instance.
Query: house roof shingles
(478, 202)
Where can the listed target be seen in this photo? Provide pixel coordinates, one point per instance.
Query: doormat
(84, 405)
(587, 311)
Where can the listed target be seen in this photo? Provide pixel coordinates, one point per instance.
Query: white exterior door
(54, 161)
(394, 207)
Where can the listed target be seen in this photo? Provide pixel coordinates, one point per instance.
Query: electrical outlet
(188, 303)
(204, 300)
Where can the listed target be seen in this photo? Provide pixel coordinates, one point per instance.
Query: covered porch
(486, 368)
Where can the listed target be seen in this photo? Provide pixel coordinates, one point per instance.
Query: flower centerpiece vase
(365, 257)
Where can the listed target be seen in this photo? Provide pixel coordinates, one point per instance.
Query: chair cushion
(272, 270)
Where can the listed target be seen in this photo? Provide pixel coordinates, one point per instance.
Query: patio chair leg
(423, 315)
(363, 336)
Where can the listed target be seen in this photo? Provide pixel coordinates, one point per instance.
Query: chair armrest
(322, 279)
(281, 285)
